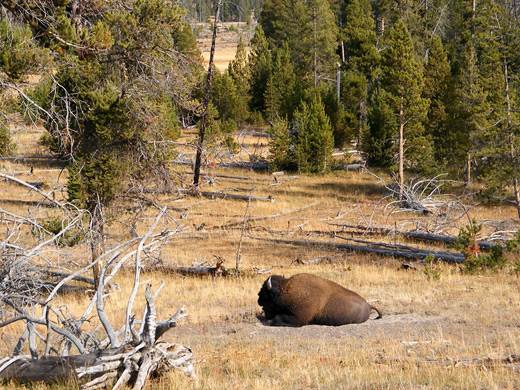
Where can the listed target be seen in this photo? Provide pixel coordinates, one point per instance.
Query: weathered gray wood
(484, 245)
(223, 195)
(418, 254)
(33, 188)
(197, 271)
(52, 369)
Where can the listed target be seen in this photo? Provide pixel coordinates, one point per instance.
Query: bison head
(269, 295)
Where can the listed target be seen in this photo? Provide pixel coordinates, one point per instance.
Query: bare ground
(396, 326)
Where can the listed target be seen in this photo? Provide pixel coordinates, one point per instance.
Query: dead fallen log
(78, 278)
(96, 368)
(31, 187)
(50, 369)
(484, 245)
(316, 260)
(418, 254)
(223, 195)
(200, 270)
(132, 362)
(34, 203)
(261, 166)
(246, 178)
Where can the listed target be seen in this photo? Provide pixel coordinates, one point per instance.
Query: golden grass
(429, 326)
(226, 43)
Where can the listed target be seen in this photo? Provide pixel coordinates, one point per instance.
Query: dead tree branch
(98, 363)
(32, 188)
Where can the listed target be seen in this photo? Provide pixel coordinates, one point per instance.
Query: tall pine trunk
(401, 150)
(468, 171)
(362, 118)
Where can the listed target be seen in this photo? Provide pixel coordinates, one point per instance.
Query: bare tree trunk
(401, 150)
(205, 103)
(468, 171)
(362, 117)
(98, 244)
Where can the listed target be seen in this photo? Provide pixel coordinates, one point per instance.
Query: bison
(306, 299)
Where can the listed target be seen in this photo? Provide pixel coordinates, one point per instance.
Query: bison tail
(379, 314)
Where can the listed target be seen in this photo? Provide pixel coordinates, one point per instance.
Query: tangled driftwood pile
(87, 349)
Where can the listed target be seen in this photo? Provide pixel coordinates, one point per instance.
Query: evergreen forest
(420, 87)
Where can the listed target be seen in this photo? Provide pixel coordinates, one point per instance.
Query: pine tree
(499, 141)
(402, 80)
(111, 94)
(19, 55)
(260, 63)
(378, 142)
(386, 15)
(239, 71)
(225, 97)
(466, 111)
(436, 18)
(437, 82)
(281, 95)
(360, 68)
(281, 156)
(314, 137)
(323, 39)
(309, 29)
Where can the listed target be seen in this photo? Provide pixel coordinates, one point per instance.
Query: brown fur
(305, 299)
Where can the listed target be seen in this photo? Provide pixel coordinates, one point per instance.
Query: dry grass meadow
(227, 38)
(446, 333)
(437, 333)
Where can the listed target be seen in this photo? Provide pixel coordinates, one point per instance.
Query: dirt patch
(396, 326)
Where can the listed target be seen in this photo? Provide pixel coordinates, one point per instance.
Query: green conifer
(314, 137)
(402, 80)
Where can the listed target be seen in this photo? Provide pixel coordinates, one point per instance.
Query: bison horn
(269, 284)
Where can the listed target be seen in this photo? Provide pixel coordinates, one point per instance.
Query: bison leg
(286, 320)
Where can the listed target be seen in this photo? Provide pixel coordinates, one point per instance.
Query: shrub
(54, 226)
(475, 261)
(494, 261)
(431, 269)
(7, 147)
